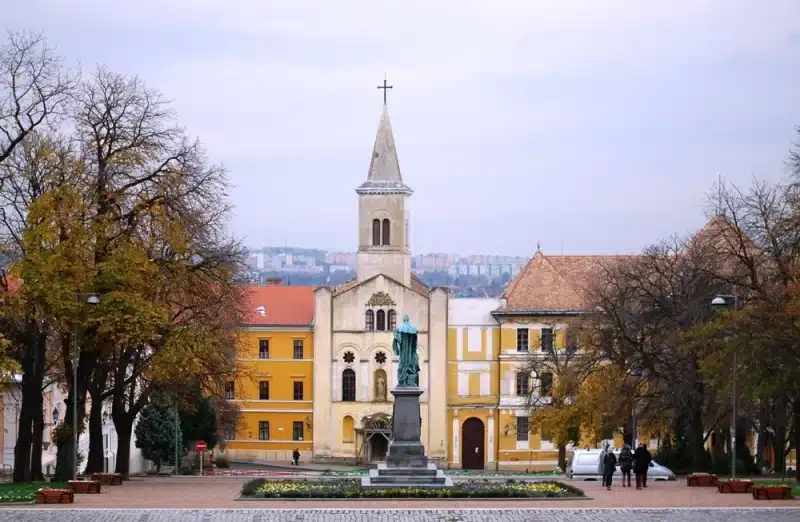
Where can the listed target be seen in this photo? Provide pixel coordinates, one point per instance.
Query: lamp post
(720, 302)
(92, 299)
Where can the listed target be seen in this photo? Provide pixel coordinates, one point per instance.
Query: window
(547, 340)
(229, 390)
(380, 320)
(522, 339)
(369, 321)
(386, 232)
(546, 387)
(297, 430)
(545, 434)
(572, 341)
(348, 429)
(349, 357)
(391, 316)
(522, 428)
(348, 385)
(523, 383)
(606, 340)
(298, 348)
(376, 232)
(263, 348)
(263, 430)
(380, 358)
(229, 432)
(263, 391)
(298, 390)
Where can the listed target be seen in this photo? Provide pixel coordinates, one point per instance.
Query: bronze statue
(405, 346)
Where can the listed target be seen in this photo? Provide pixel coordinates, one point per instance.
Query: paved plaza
(209, 499)
(403, 515)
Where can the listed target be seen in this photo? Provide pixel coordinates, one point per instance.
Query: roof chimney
(274, 281)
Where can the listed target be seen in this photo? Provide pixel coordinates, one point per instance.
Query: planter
(701, 480)
(55, 496)
(735, 486)
(108, 479)
(772, 492)
(84, 486)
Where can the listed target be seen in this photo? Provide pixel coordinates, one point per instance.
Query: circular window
(380, 357)
(349, 357)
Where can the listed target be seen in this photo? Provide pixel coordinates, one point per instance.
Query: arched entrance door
(472, 444)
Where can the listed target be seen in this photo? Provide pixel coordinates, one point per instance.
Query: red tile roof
(278, 305)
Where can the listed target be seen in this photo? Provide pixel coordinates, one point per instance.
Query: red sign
(200, 446)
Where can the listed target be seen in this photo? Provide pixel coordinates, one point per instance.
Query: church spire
(384, 169)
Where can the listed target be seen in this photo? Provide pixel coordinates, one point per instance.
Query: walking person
(296, 457)
(609, 467)
(601, 462)
(641, 463)
(626, 464)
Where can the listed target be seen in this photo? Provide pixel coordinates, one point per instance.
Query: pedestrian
(296, 457)
(625, 464)
(641, 463)
(601, 463)
(609, 467)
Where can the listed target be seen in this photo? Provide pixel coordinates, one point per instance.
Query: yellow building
(274, 391)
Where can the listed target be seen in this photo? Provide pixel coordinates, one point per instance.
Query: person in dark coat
(626, 464)
(609, 467)
(641, 463)
(296, 457)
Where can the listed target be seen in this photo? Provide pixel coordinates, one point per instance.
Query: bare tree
(35, 88)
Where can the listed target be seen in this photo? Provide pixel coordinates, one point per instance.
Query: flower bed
(108, 479)
(701, 480)
(454, 473)
(10, 492)
(735, 486)
(84, 486)
(261, 488)
(55, 496)
(772, 492)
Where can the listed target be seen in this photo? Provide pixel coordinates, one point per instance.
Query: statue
(405, 346)
(380, 386)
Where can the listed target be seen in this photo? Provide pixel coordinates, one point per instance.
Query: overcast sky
(599, 125)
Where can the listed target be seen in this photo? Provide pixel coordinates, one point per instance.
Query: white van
(585, 465)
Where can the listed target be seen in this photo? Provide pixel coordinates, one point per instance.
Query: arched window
(380, 319)
(392, 319)
(376, 232)
(348, 385)
(369, 320)
(348, 429)
(386, 232)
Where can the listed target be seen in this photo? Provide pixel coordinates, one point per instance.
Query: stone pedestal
(406, 463)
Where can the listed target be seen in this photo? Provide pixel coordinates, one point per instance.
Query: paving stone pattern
(397, 515)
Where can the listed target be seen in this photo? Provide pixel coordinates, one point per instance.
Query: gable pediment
(380, 299)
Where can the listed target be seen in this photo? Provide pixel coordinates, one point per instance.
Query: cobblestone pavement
(401, 515)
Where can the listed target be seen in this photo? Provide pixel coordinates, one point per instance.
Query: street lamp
(720, 302)
(92, 299)
(55, 416)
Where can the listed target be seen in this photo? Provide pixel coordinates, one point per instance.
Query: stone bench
(55, 496)
(774, 492)
(84, 486)
(108, 479)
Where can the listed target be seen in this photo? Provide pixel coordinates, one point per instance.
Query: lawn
(10, 492)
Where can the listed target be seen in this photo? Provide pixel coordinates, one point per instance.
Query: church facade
(354, 367)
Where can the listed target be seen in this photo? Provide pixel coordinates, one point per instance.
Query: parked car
(585, 465)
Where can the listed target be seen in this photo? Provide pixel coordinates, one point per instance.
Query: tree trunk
(124, 428)
(36, 447)
(797, 438)
(22, 448)
(33, 361)
(562, 457)
(762, 436)
(780, 448)
(94, 460)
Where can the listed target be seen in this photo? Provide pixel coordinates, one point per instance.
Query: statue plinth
(406, 449)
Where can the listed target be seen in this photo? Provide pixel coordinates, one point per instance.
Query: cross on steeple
(384, 87)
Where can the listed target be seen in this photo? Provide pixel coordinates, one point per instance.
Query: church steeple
(384, 175)
(382, 210)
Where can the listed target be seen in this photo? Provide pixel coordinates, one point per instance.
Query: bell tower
(382, 210)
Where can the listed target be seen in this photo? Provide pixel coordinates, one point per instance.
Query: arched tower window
(380, 319)
(369, 320)
(387, 232)
(376, 232)
(348, 385)
(392, 320)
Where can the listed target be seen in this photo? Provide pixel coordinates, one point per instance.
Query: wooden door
(472, 444)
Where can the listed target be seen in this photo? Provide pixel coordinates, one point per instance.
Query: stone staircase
(398, 477)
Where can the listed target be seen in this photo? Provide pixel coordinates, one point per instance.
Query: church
(354, 367)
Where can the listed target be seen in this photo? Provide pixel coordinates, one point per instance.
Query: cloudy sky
(595, 126)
